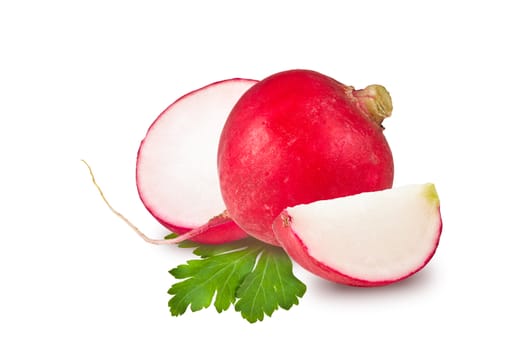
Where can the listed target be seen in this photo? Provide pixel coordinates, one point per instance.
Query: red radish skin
(223, 231)
(176, 174)
(299, 136)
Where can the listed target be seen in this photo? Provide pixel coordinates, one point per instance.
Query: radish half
(369, 239)
(176, 174)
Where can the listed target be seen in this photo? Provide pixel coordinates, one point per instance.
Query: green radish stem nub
(374, 100)
(215, 221)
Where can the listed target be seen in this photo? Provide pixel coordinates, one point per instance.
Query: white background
(85, 80)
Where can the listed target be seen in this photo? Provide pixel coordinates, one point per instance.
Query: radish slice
(176, 172)
(369, 239)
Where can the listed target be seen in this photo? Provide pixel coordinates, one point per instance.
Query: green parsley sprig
(255, 277)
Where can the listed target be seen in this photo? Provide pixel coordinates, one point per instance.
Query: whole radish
(296, 137)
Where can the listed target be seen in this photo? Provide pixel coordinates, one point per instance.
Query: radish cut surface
(176, 172)
(372, 238)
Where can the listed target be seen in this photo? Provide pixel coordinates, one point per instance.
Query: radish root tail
(215, 221)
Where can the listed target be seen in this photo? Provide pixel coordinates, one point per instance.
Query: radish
(176, 173)
(369, 239)
(296, 137)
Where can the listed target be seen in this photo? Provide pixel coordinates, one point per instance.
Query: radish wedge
(176, 173)
(369, 239)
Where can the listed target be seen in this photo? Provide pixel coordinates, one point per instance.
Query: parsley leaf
(270, 285)
(253, 276)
